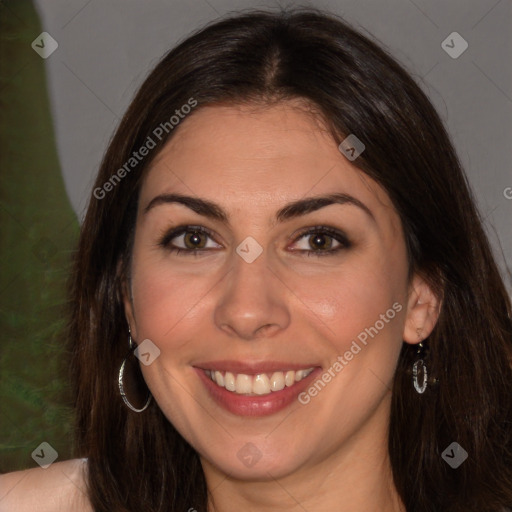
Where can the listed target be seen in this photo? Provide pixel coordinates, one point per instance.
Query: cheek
(352, 302)
(360, 316)
(162, 296)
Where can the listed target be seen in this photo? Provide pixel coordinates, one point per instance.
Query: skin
(330, 454)
(57, 488)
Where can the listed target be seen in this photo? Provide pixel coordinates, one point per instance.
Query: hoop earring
(121, 385)
(415, 371)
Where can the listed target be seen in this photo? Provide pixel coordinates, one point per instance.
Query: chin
(250, 465)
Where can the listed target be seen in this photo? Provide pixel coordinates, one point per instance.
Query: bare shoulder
(58, 488)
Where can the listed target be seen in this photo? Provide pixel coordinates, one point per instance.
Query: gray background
(106, 48)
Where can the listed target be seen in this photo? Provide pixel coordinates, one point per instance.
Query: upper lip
(253, 367)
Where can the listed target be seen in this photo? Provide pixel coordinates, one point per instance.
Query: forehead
(258, 157)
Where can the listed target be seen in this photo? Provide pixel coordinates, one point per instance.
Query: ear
(126, 297)
(423, 308)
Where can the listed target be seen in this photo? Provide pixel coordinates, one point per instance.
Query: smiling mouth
(259, 384)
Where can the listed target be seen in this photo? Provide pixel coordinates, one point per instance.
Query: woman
(282, 228)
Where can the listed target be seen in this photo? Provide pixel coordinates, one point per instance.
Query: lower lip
(264, 405)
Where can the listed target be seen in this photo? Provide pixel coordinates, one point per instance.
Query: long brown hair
(139, 461)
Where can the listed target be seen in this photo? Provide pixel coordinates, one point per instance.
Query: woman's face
(275, 284)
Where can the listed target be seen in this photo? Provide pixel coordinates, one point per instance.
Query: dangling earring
(121, 375)
(418, 366)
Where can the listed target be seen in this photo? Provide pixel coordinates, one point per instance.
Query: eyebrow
(290, 211)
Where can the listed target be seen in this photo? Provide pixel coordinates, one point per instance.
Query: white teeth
(219, 378)
(243, 383)
(261, 384)
(289, 378)
(229, 381)
(307, 372)
(277, 381)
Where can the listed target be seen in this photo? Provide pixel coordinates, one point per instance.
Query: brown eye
(320, 241)
(194, 239)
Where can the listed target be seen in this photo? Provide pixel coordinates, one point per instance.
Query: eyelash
(315, 230)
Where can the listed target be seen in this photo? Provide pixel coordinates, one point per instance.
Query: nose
(252, 303)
